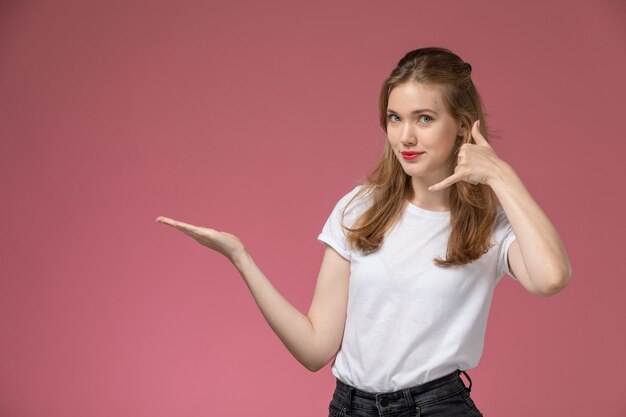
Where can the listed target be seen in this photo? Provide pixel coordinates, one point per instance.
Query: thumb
(477, 136)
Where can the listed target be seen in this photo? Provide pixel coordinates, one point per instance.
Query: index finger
(175, 223)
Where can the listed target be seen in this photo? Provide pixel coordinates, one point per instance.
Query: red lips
(408, 155)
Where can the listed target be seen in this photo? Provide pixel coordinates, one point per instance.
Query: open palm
(225, 243)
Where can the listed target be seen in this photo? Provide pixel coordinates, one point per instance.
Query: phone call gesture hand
(476, 164)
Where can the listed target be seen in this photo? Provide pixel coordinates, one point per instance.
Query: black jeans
(446, 396)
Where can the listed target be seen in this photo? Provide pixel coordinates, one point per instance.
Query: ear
(462, 129)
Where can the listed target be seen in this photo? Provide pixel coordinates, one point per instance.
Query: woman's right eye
(393, 117)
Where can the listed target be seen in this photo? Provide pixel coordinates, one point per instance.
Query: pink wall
(255, 117)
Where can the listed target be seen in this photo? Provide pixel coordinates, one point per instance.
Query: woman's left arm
(538, 257)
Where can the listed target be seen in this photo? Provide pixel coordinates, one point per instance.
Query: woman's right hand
(313, 339)
(222, 242)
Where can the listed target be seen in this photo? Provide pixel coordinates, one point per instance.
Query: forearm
(542, 250)
(293, 328)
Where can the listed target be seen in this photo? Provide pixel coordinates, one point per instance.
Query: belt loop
(469, 379)
(408, 396)
(349, 396)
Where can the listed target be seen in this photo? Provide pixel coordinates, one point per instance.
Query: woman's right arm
(313, 339)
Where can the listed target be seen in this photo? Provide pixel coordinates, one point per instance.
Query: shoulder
(352, 205)
(357, 199)
(350, 196)
(346, 212)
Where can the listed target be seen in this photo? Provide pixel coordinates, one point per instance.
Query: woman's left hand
(537, 257)
(477, 163)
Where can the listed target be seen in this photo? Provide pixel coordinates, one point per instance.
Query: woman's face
(421, 132)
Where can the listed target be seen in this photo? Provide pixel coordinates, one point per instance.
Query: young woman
(414, 254)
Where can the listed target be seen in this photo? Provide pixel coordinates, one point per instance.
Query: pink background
(255, 117)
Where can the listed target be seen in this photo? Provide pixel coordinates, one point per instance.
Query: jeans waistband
(412, 397)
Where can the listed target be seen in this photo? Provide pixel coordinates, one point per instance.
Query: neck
(429, 200)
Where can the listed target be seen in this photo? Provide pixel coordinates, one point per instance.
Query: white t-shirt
(410, 321)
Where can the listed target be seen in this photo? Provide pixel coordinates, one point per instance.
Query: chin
(414, 172)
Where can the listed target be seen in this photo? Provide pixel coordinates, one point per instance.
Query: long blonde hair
(472, 207)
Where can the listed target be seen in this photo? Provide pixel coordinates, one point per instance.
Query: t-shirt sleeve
(333, 234)
(504, 237)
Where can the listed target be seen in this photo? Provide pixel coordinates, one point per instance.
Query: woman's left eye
(424, 116)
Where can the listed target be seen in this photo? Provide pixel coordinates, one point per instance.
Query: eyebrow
(414, 111)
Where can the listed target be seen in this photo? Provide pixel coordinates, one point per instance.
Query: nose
(408, 137)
